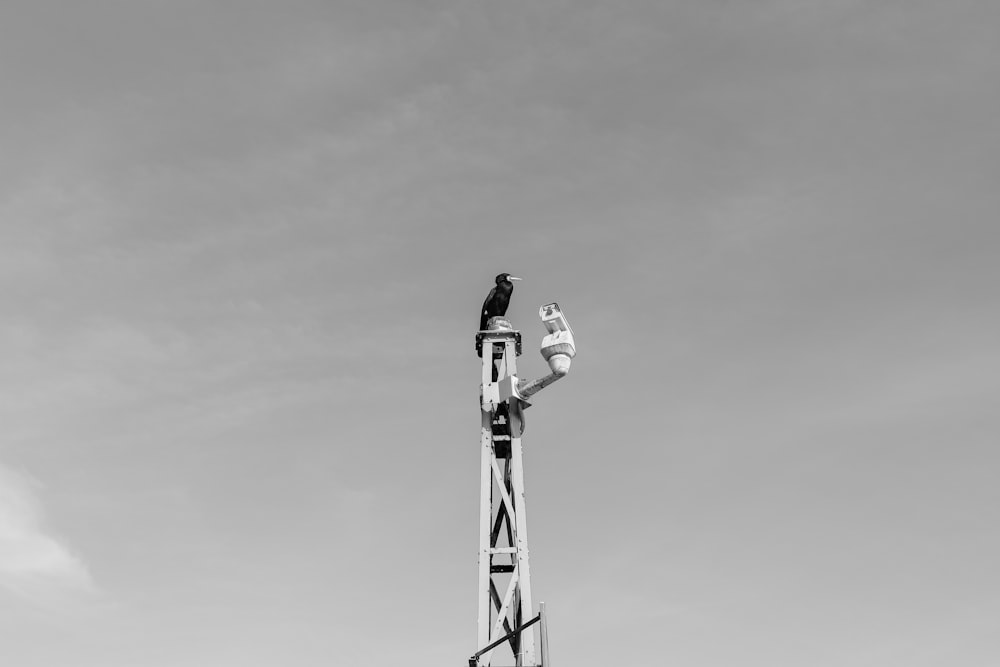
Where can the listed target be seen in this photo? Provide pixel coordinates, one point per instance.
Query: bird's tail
(482, 321)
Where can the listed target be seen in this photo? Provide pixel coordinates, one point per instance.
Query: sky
(243, 248)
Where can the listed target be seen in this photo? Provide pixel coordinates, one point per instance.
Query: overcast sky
(243, 247)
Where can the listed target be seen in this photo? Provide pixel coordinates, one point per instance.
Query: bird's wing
(484, 316)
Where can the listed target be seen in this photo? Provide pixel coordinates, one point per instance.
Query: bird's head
(503, 277)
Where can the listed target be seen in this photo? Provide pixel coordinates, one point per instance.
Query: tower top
(498, 328)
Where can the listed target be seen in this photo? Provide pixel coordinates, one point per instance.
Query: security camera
(558, 347)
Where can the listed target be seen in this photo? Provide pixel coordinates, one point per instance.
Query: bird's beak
(512, 278)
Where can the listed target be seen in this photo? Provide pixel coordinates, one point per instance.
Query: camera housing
(558, 347)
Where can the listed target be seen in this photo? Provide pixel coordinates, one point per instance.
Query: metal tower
(505, 604)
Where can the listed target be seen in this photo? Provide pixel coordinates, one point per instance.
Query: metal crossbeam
(473, 661)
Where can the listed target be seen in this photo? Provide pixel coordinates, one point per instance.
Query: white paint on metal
(501, 616)
(504, 496)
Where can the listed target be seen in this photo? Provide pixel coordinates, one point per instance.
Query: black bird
(498, 300)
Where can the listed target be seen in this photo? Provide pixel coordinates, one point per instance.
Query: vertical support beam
(485, 503)
(527, 654)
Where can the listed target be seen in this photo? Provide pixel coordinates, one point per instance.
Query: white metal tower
(505, 604)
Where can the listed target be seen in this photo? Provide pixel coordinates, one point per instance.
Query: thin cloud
(34, 564)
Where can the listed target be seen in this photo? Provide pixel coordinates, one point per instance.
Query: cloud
(34, 564)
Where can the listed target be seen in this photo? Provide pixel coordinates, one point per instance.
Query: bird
(498, 300)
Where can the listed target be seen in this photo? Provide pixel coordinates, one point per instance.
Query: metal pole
(544, 634)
